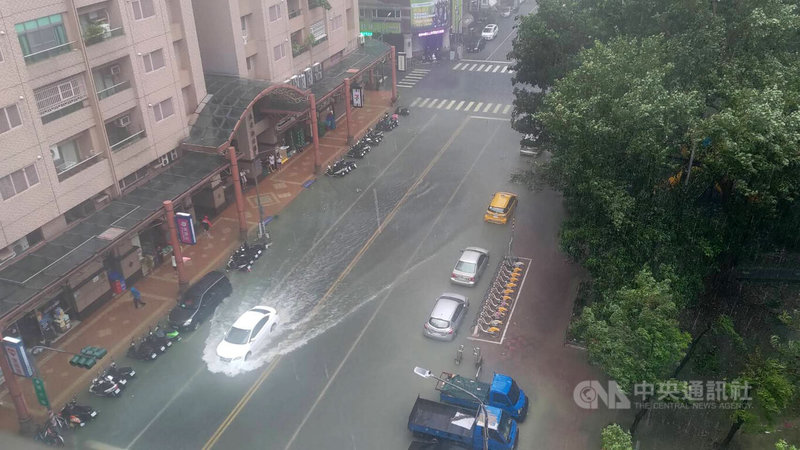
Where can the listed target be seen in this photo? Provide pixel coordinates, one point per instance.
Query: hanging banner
(318, 30)
(455, 16)
(357, 95)
(185, 225)
(17, 357)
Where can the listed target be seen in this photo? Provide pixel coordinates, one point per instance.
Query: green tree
(615, 438)
(633, 335)
(783, 445)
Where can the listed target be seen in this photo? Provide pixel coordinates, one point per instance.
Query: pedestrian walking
(206, 224)
(278, 164)
(272, 162)
(243, 178)
(137, 297)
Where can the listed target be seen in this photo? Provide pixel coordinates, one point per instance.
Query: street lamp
(425, 373)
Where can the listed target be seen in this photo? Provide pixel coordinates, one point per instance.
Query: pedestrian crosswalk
(483, 67)
(412, 78)
(461, 105)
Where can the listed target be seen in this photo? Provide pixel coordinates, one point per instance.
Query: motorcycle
(84, 413)
(142, 351)
(103, 387)
(359, 150)
(245, 256)
(158, 344)
(120, 373)
(387, 123)
(172, 335)
(341, 168)
(50, 436)
(402, 111)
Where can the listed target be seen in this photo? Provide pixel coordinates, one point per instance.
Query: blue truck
(441, 421)
(503, 392)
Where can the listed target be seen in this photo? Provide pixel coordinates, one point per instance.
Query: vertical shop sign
(455, 16)
(17, 357)
(357, 94)
(185, 226)
(41, 395)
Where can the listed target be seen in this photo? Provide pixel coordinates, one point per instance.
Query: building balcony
(100, 34)
(295, 13)
(186, 77)
(69, 169)
(48, 53)
(108, 92)
(124, 141)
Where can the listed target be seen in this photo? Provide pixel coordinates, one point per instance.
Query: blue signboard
(185, 225)
(17, 357)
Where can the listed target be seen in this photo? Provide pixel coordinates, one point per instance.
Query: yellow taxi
(501, 207)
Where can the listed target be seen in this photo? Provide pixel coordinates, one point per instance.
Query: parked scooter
(359, 150)
(171, 334)
(82, 412)
(142, 351)
(120, 373)
(50, 436)
(245, 256)
(402, 110)
(341, 168)
(158, 344)
(103, 387)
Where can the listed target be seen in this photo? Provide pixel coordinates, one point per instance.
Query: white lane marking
(441, 104)
(496, 108)
(495, 69)
(469, 105)
(450, 105)
(424, 101)
(404, 86)
(485, 61)
(481, 67)
(488, 67)
(505, 68)
(472, 67)
(506, 109)
(414, 103)
(488, 107)
(487, 118)
(457, 66)
(478, 107)
(466, 66)
(458, 107)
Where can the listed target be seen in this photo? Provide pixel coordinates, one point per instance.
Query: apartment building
(274, 40)
(93, 95)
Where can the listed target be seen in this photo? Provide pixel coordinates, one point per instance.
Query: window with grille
(9, 118)
(163, 110)
(19, 181)
(56, 96)
(153, 61)
(251, 62)
(143, 9)
(245, 24)
(279, 51)
(274, 12)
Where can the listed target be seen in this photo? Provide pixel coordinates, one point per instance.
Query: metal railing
(103, 36)
(127, 141)
(109, 91)
(295, 13)
(49, 53)
(65, 172)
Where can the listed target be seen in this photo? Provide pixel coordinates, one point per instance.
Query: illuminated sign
(16, 356)
(430, 33)
(366, 33)
(429, 14)
(185, 226)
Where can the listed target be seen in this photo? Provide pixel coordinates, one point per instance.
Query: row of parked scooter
(371, 138)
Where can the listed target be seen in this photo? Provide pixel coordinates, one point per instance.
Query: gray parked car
(470, 266)
(448, 313)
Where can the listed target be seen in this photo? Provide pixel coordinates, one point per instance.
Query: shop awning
(230, 97)
(50, 264)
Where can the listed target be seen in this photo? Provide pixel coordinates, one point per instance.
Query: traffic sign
(41, 395)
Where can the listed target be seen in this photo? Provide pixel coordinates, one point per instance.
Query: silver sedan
(470, 266)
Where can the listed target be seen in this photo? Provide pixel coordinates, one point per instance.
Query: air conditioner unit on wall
(301, 81)
(164, 160)
(309, 76)
(361, 39)
(123, 121)
(115, 69)
(173, 155)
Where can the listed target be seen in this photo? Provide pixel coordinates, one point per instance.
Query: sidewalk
(117, 322)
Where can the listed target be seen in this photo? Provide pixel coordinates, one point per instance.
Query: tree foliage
(615, 438)
(633, 335)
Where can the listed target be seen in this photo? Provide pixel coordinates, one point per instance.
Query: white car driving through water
(248, 333)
